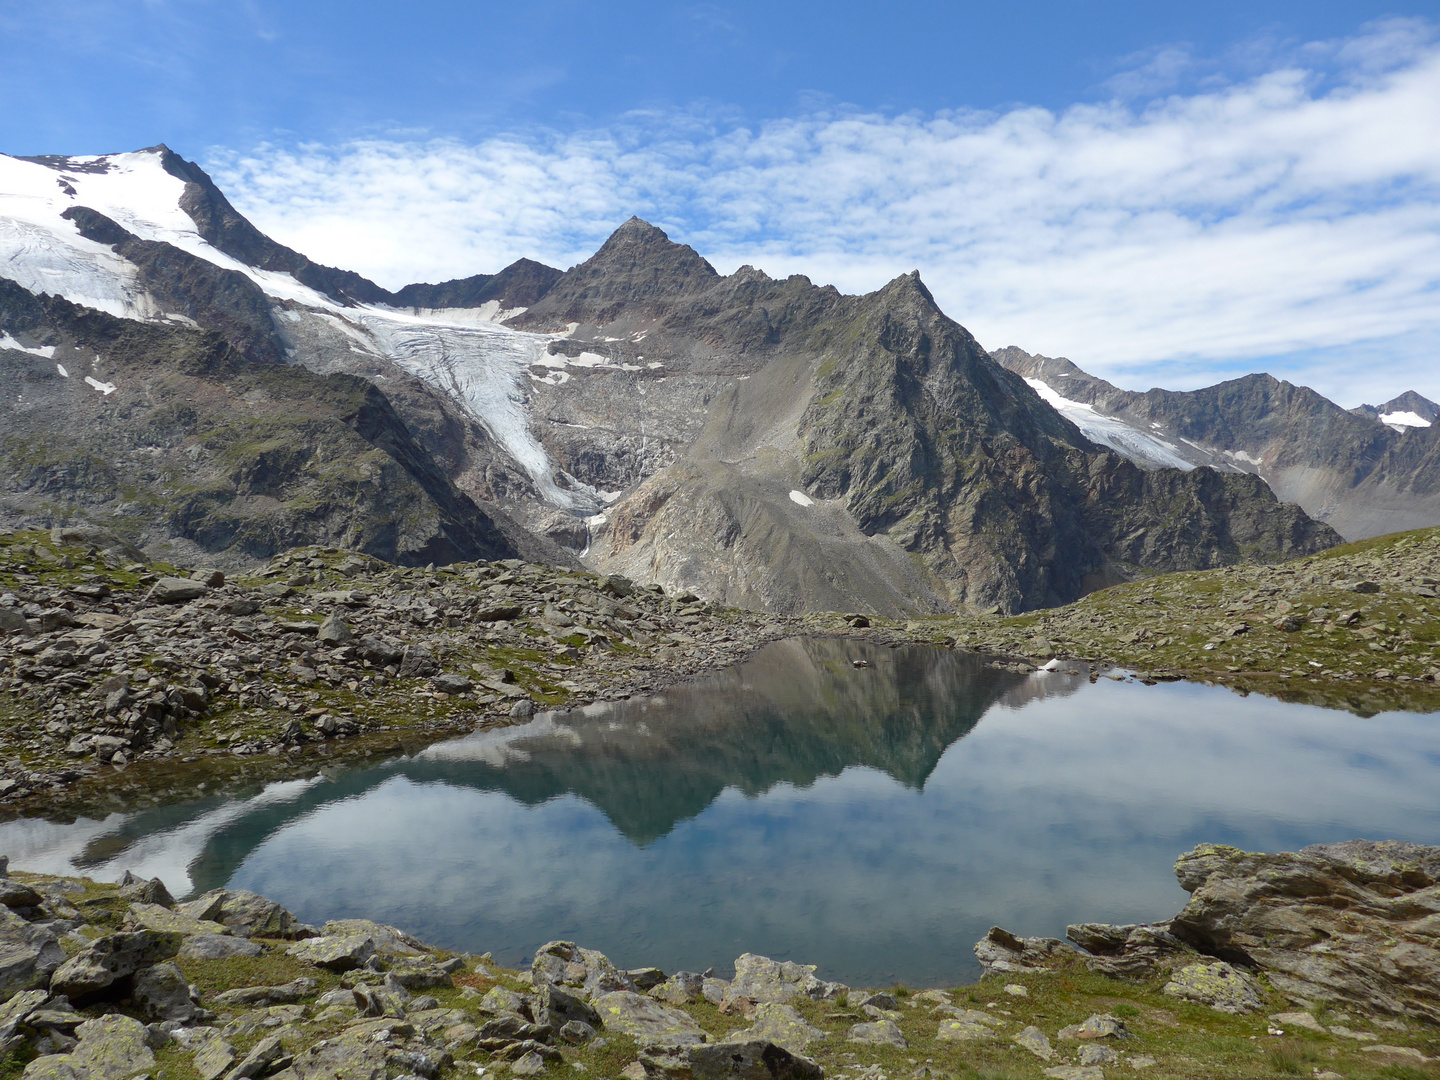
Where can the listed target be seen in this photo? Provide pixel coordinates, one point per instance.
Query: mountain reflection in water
(794, 805)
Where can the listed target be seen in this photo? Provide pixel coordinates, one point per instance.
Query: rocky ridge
(113, 981)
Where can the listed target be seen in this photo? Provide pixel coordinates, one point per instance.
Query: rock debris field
(1329, 970)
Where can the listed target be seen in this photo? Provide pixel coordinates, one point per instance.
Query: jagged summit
(1409, 410)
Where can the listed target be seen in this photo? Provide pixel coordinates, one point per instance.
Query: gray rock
(499, 1001)
(530, 1064)
(563, 963)
(137, 890)
(557, 1007)
(160, 992)
(244, 913)
(1130, 952)
(389, 941)
(16, 1011)
(111, 958)
(452, 683)
(29, 954)
(756, 1060)
(1343, 923)
(781, 1025)
(334, 631)
(1036, 1041)
(215, 1059)
(577, 1032)
(880, 1032)
(858, 999)
(682, 988)
(1075, 1072)
(417, 662)
(1001, 951)
(155, 917)
(217, 947)
(646, 979)
(761, 979)
(1097, 1054)
(174, 590)
(109, 1048)
(17, 894)
(646, 1020)
(971, 1027)
(1218, 985)
(1297, 1019)
(368, 1050)
(335, 952)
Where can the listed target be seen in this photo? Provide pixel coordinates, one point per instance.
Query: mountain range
(171, 373)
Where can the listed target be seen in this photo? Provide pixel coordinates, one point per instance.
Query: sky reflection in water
(874, 821)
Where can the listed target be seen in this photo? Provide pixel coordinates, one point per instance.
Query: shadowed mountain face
(1362, 476)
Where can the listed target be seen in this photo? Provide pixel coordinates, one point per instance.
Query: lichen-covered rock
(111, 958)
(646, 1020)
(389, 941)
(761, 979)
(1335, 923)
(1218, 985)
(110, 1048)
(963, 1029)
(368, 1050)
(145, 916)
(1036, 1041)
(1099, 1026)
(1130, 951)
(245, 913)
(217, 947)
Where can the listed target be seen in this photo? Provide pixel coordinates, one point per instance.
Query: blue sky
(1167, 193)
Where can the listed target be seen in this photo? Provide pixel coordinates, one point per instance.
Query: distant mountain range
(1368, 471)
(174, 374)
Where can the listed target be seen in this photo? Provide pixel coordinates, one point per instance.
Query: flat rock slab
(1075, 1072)
(759, 978)
(155, 917)
(646, 1020)
(955, 1029)
(388, 940)
(881, 1033)
(755, 1060)
(1219, 985)
(1099, 1026)
(335, 952)
(1297, 1019)
(218, 947)
(29, 954)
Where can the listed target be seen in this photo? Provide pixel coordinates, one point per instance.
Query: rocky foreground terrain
(1322, 963)
(126, 682)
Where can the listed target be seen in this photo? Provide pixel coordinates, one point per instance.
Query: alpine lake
(870, 810)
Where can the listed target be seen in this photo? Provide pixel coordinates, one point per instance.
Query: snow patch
(1111, 431)
(61, 369)
(801, 498)
(46, 352)
(1402, 420)
(1241, 455)
(106, 388)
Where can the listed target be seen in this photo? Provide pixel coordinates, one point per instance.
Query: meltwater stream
(874, 821)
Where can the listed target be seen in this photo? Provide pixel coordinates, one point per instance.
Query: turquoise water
(874, 821)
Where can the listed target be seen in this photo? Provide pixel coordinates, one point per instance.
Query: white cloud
(1292, 211)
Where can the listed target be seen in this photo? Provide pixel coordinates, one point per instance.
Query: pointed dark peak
(637, 243)
(521, 284)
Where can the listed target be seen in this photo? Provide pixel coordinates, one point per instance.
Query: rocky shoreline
(1324, 962)
(128, 681)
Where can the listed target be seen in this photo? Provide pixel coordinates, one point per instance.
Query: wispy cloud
(1287, 216)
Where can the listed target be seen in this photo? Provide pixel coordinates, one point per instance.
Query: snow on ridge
(1131, 442)
(1402, 420)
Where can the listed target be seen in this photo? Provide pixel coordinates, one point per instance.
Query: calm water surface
(873, 821)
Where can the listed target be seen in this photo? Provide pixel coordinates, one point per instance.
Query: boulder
(155, 917)
(368, 1050)
(556, 1008)
(781, 1025)
(1218, 985)
(761, 979)
(1340, 924)
(1131, 951)
(160, 992)
(965, 1029)
(417, 662)
(15, 894)
(214, 1060)
(563, 963)
(245, 913)
(137, 889)
(499, 1001)
(1099, 1026)
(29, 954)
(682, 988)
(250, 996)
(1036, 1041)
(15, 1012)
(646, 1020)
(109, 959)
(452, 683)
(335, 952)
(389, 941)
(109, 1048)
(174, 590)
(334, 631)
